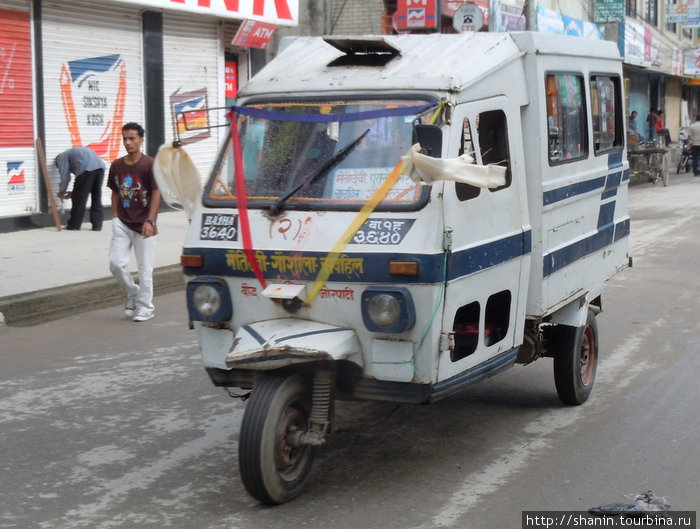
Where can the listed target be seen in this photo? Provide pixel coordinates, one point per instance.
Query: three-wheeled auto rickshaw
(394, 218)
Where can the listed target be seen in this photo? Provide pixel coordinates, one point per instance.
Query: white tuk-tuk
(397, 217)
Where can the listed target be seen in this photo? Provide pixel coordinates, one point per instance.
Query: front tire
(272, 470)
(576, 361)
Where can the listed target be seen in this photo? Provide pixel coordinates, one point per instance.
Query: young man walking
(135, 201)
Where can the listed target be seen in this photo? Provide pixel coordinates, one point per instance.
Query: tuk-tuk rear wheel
(576, 361)
(273, 469)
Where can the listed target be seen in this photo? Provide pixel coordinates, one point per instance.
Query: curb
(50, 304)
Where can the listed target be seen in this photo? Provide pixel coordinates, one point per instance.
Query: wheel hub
(288, 453)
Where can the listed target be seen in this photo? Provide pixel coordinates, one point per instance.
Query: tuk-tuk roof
(433, 62)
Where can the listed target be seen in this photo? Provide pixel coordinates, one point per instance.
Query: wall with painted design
(17, 165)
(92, 77)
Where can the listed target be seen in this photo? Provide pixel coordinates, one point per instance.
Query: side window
(493, 141)
(606, 111)
(466, 191)
(466, 331)
(492, 131)
(566, 117)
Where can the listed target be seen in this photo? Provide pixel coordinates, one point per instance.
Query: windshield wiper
(330, 163)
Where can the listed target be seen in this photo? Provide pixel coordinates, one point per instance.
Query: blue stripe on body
(607, 232)
(310, 333)
(465, 262)
(375, 266)
(579, 188)
(254, 334)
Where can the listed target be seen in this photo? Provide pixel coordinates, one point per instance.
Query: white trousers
(123, 241)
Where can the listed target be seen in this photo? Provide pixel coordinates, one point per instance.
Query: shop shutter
(93, 80)
(193, 80)
(18, 175)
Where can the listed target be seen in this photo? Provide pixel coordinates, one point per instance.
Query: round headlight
(206, 299)
(384, 310)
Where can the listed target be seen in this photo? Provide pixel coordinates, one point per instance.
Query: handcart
(650, 160)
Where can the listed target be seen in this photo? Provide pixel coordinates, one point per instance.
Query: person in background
(661, 131)
(695, 142)
(652, 118)
(135, 201)
(89, 171)
(632, 126)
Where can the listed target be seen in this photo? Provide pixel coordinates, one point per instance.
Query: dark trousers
(88, 184)
(695, 149)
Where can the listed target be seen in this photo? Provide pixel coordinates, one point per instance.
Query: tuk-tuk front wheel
(273, 468)
(576, 361)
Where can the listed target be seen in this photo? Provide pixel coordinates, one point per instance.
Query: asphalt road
(106, 423)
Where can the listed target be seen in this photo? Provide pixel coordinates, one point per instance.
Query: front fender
(278, 343)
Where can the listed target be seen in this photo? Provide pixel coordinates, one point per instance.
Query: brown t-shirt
(134, 185)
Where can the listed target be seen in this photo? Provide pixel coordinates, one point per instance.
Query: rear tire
(272, 470)
(576, 361)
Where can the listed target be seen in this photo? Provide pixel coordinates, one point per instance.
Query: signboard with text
(415, 14)
(468, 17)
(254, 34)
(230, 79)
(450, 6)
(280, 12)
(606, 11)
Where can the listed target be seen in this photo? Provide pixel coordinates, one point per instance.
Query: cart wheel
(576, 361)
(272, 470)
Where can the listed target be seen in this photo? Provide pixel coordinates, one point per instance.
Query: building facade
(73, 71)
(657, 39)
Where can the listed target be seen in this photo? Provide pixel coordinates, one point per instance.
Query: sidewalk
(46, 273)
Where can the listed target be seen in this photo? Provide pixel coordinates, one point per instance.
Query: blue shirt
(77, 160)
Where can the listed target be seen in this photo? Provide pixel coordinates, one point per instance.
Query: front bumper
(278, 343)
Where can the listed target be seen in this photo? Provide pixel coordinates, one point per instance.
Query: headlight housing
(388, 309)
(209, 300)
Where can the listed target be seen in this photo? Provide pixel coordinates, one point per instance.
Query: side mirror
(430, 139)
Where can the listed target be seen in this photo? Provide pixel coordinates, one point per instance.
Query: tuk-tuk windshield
(318, 155)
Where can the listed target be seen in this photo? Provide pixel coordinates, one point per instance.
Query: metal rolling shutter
(93, 80)
(18, 175)
(192, 80)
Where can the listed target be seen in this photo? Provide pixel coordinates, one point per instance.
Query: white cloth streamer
(422, 168)
(177, 178)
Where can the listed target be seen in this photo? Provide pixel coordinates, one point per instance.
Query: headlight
(208, 300)
(383, 310)
(387, 309)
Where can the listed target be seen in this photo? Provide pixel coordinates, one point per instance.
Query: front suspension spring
(321, 399)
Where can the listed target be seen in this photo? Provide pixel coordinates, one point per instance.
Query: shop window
(606, 111)
(652, 12)
(566, 117)
(631, 8)
(466, 331)
(670, 6)
(496, 317)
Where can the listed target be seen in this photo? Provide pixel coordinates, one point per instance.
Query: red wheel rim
(288, 457)
(589, 356)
